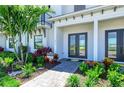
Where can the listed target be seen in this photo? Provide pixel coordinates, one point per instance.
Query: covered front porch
(94, 25)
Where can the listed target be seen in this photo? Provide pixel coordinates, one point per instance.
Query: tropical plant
(17, 20)
(107, 62)
(30, 58)
(83, 68)
(8, 61)
(6, 54)
(114, 78)
(89, 82)
(42, 51)
(2, 74)
(99, 69)
(8, 81)
(27, 70)
(115, 67)
(73, 81)
(93, 75)
(40, 61)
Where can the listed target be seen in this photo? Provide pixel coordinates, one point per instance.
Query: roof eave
(80, 12)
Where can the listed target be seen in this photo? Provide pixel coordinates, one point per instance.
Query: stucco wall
(50, 38)
(78, 29)
(2, 40)
(107, 25)
(31, 41)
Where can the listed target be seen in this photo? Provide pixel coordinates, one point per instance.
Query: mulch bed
(37, 73)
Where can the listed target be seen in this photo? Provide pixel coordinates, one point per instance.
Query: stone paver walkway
(55, 77)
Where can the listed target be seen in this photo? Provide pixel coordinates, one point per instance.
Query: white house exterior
(93, 33)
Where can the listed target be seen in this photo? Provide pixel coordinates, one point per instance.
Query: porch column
(95, 41)
(55, 39)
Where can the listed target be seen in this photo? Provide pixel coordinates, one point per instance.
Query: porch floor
(55, 77)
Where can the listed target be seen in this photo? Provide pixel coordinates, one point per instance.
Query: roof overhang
(83, 12)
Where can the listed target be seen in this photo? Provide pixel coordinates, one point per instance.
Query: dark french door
(77, 45)
(115, 44)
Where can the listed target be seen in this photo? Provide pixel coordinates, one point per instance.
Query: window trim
(37, 42)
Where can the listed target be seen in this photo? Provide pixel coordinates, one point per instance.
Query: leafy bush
(114, 78)
(30, 58)
(89, 82)
(93, 75)
(115, 67)
(2, 74)
(8, 81)
(27, 70)
(99, 69)
(8, 61)
(6, 54)
(83, 68)
(73, 81)
(42, 51)
(40, 61)
(17, 67)
(2, 68)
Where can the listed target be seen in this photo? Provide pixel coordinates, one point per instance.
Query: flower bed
(19, 72)
(106, 74)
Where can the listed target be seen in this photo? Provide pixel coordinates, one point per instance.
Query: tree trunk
(15, 51)
(20, 47)
(27, 47)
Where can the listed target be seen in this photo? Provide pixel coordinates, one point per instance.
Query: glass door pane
(82, 45)
(72, 43)
(112, 44)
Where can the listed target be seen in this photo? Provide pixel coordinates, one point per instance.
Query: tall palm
(18, 20)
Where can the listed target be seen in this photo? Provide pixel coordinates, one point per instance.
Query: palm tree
(18, 20)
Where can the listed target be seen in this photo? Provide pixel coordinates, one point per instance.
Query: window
(10, 43)
(38, 41)
(79, 7)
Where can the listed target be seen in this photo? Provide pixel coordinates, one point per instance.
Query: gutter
(82, 12)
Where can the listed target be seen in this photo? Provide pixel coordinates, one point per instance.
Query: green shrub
(83, 68)
(8, 61)
(8, 81)
(17, 67)
(99, 69)
(30, 58)
(93, 75)
(40, 61)
(27, 70)
(115, 67)
(73, 81)
(2, 74)
(114, 78)
(7, 54)
(2, 68)
(89, 82)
